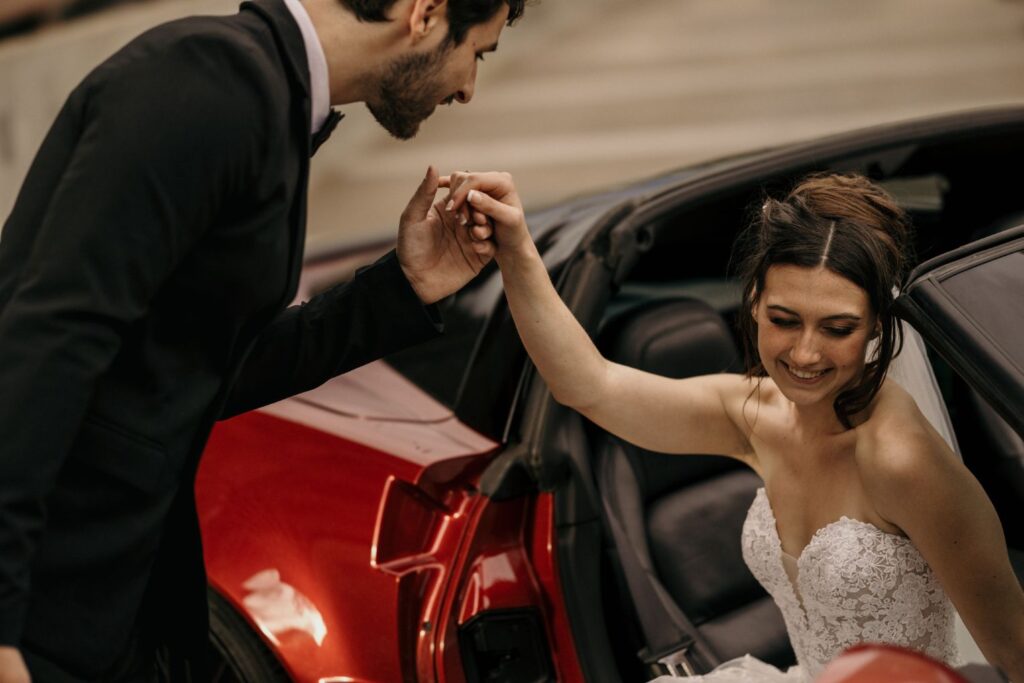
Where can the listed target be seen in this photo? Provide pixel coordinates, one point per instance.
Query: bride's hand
(492, 209)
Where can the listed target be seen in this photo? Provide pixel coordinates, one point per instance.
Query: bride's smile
(813, 331)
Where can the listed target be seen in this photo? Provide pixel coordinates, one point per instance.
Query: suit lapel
(292, 51)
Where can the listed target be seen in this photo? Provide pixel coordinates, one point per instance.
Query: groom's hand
(436, 250)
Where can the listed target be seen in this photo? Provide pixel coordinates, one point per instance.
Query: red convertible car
(436, 516)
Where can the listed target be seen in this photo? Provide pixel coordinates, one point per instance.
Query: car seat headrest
(676, 338)
(679, 337)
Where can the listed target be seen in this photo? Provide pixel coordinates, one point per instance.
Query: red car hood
(362, 406)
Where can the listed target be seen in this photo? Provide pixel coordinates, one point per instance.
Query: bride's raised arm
(693, 415)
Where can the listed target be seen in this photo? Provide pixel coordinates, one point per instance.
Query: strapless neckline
(762, 497)
(853, 582)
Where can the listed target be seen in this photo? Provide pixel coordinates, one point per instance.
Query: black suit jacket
(144, 272)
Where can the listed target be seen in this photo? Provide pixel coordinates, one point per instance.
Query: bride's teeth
(806, 375)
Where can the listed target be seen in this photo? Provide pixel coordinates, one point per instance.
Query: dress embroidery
(853, 583)
(856, 583)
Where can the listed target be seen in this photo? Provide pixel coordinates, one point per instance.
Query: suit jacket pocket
(117, 451)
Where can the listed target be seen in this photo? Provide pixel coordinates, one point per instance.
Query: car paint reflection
(279, 607)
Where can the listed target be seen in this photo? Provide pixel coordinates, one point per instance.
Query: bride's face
(813, 328)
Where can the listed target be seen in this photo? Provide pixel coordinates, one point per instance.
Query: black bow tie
(330, 123)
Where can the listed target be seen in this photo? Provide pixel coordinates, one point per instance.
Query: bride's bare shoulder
(891, 405)
(896, 437)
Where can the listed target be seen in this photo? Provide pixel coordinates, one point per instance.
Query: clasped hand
(442, 245)
(489, 207)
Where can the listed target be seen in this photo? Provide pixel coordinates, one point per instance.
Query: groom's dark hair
(852, 227)
(462, 14)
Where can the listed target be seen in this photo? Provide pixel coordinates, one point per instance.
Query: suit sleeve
(156, 150)
(351, 324)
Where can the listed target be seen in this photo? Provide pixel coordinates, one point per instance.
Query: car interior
(673, 522)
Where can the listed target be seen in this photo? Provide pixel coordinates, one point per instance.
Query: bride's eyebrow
(838, 316)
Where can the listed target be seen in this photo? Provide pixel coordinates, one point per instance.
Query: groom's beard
(407, 93)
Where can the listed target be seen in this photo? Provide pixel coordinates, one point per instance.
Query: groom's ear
(426, 17)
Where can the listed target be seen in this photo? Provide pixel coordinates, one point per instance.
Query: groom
(144, 273)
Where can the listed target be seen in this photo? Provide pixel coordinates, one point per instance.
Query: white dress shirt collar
(318, 82)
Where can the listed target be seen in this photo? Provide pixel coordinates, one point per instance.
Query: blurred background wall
(583, 94)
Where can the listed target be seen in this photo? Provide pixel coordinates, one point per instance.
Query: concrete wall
(584, 94)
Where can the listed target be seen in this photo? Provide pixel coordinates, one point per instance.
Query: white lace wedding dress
(853, 583)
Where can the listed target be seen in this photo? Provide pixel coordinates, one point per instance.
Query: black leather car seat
(683, 515)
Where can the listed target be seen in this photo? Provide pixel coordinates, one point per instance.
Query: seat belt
(671, 641)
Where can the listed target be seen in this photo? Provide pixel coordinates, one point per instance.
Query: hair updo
(853, 228)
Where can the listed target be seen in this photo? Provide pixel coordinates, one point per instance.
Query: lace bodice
(852, 583)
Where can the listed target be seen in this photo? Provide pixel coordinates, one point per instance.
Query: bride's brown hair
(850, 226)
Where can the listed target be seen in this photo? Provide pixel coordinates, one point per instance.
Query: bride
(868, 527)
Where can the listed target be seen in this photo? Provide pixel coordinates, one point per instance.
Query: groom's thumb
(423, 198)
